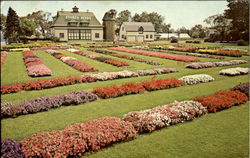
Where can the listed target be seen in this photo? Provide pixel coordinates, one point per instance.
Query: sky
(177, 13)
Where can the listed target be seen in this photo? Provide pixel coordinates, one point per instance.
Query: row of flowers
(195, 79)
(76, 139)
(224, 52)
(113, 62)
(201, 65)
(234, 71)
(45, 103)
(3, 57)
(62, 81)
(242, 87)
(134, 88)
(150, 62)
(190, 54)
(73, 62)
(158, 55)
(34, 65)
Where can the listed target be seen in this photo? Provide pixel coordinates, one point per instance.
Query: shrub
(11, 149)
(198, 78)
(162, 116)
(75, 140)
(242, 87)
(241, 42)
(174, 40)
(222, 100)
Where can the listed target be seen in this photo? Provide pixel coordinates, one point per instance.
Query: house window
(96, 35)
(123, 36)
(61, 35)
(146, 36)
(84, 24)
(151, 36)
(140, 30)
(72, 23)
(85, 34)
(79, 34)
(122, 28)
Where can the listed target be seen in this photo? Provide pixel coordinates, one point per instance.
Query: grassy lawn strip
(223, 134)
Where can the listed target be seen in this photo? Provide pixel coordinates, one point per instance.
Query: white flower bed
(156, 71)
(194, 79)
(234, 71)
(72, 50)
(50, 51)
(67, 58)
(166, 115)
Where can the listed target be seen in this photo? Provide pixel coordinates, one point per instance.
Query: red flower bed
(58, 56)
(79, 138)
(222, 100)
(162, 84)
(159, 55)
(115, 91)
(81, 66)
(78, 52)
(116, 62)
(133, 88)
(34, 65)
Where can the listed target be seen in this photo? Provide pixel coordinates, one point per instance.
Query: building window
(72, 23)
(61, 35)
(151, 36)
(122, 28)
(96, 35)
(146, 36)
(140, 30)
(84, 24)
(123, 36)
(79, 34)
(85, 34)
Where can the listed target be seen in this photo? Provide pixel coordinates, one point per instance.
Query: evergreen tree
(12, 27)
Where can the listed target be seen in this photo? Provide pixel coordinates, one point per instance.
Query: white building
(136, 32)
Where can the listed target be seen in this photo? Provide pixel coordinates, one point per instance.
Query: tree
(27, 27)
(123, 16)
(238, 11)
(11, 33)
(42, 22)
(2, 22)
(197, 31)
(165, 28)
(136, 18)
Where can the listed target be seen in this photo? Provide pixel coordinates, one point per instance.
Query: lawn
(223, 134)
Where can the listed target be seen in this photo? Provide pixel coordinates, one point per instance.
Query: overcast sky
(178, 13)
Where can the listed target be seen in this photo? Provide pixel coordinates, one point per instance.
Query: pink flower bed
(3, 57)
(34, 65)
(158, 55)
(75, 140)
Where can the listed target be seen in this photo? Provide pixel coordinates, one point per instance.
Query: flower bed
(234, 71)
(158, 55)
(242, 87)
(125, 56)
(113, 62)
(34, 65)
(45, 103)
(73, 62)
(76, 139)
(11, 149)
(224, 52)
(3, 57)
(162, 116)
(214, 64)
(222, 100)
(133, 88)
(62, 81)
(198, 78)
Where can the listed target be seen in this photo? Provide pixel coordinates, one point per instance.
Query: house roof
(134, 26)
(63, 17)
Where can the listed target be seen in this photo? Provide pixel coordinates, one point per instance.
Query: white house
(137, 32)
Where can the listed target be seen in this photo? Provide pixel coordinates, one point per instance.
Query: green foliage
(27, 27)
(55, 39)
(174, 40)
(241, 42)
(197, 31)
(2, 22)
(11, 33)
(123, 16)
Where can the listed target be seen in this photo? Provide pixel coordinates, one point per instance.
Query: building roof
(181, 35)
(63, 17)
(134, 26)
(184, 35)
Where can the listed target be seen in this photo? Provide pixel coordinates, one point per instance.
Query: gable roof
(62, 20)
(134, 26)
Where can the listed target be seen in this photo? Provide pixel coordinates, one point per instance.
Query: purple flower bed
(45, 103)
(243, 87)
(11, 149)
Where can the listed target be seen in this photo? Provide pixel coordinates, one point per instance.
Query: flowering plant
(11, 149)
(243, 87)
(198, 78)
(234, 71)
(202, 65)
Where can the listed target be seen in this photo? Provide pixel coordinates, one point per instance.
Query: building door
(131, 39)
(139, 38)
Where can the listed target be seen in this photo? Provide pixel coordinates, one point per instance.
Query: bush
(55, 39)
(75, 140)
(174, 40)
(241, 42)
